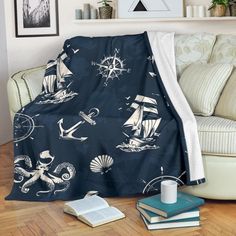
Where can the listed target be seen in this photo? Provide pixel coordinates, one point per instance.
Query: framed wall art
(35, 18)
(150, 8)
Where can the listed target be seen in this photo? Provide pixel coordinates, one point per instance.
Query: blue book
(185, 202)
(170, 225)
(155, 218)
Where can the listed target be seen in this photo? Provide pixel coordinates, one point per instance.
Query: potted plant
(105, 11)
(219, 7)
(232, 7)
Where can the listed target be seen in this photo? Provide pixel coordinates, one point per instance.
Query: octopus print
(55, 182)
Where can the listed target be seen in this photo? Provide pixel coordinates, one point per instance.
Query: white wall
(27, 52)
(5, 124)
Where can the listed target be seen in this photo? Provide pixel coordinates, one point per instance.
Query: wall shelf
(143, 20)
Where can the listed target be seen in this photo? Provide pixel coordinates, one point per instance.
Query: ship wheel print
(24, 126)
(111, 67)
(154, 184)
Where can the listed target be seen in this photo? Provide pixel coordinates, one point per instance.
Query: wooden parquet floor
(30, 218)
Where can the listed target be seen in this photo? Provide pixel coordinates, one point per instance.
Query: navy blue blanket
(103, 122)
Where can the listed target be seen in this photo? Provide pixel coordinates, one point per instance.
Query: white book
(93, 211)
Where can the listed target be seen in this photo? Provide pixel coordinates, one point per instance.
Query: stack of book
(158, 215)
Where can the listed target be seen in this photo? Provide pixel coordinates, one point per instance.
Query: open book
(93, 211)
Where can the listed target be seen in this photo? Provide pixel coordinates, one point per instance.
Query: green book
(191, 222)
(185, 202)
(155, 218)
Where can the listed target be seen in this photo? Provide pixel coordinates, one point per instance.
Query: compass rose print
(111, 67)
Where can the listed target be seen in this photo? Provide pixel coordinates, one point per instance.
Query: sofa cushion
(217, 135)
(30, 84)
(224, 50)
(191, 48)
(203, 84)
(226, 106)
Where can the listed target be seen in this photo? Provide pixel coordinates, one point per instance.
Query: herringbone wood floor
(29, 218)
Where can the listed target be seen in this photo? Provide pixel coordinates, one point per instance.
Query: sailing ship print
(56, 84)
(141, 127)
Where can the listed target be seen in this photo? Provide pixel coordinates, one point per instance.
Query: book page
(87, 204)
(103, 215)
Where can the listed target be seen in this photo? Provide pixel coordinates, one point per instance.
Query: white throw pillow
(202, 85)
(224, 50)
(226, 106)
(192, 48)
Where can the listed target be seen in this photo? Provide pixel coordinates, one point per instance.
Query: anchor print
(68, 134)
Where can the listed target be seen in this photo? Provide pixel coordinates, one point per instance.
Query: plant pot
(232, 9)
(219, 10)
(105, 12)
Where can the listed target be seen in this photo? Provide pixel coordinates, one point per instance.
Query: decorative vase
(93, 14)
(105, 12)
(219, 10)
(86, 15)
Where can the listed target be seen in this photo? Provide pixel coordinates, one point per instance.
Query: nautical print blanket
(111, 118)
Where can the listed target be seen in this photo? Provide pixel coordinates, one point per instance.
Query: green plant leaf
(219, 2)
(105, 2)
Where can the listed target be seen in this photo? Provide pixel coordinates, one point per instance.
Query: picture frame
(150, 8)
(36, 18)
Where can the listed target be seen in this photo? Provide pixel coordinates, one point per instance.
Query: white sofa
(217, 135)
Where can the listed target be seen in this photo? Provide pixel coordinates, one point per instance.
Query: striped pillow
(217, 135)
(202, 85)
(226, 106)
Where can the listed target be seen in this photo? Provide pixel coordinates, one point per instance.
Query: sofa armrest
(23, 87)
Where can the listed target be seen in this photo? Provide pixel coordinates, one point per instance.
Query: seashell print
(101, 164)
